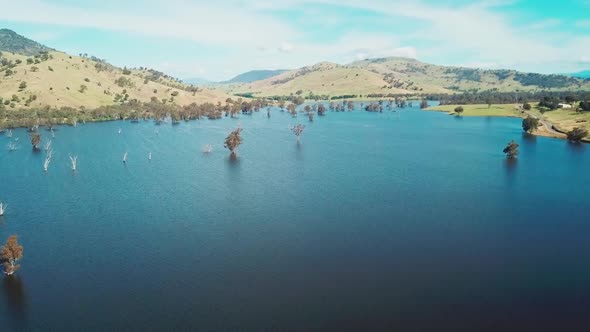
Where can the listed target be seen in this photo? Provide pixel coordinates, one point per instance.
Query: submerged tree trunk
(47, 160)
(74, 161)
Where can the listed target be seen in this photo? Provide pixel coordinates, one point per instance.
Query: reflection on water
(233, 160)
(510, 170)
(529, 138)
(299, 151)
(576, 146)
(576, 151)
(232, 165)
(14, 295)
(333, 234)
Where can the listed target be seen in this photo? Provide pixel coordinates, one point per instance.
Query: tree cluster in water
(133, 110)
(10, 254)
(511, 150)
(233, 140)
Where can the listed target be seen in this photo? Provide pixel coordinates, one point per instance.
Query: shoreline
(542, 131)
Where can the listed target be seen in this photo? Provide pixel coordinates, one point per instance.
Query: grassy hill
(397, 75)
(57, 79)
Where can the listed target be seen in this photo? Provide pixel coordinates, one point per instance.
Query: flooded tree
(47, 146)
(298, 130)
(373, 107)
(310, 116)
(35, 140)
(459, 110)
(321, 109)
(175, 117)
(233, 140)
(350, 105)
(11, 253)
(577, 134)
(424, 104)
(74, 162)
(292, 110)
(511, 150)
(47, 160)
(530, 124)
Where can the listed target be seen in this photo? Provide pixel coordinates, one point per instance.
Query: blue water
(408, 220)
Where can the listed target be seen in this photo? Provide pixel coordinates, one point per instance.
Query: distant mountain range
(581, 74)
(397, 75)
(33, 75)
(197, 81)
(247, 77)
(254, 75)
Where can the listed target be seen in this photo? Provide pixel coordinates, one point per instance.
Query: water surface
(403, 220)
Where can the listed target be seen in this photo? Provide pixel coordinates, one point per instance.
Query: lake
(404, 220)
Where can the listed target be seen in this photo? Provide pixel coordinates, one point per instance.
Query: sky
(219, 39)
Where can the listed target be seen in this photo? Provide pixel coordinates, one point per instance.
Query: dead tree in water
(35, 140)
(298, 130)
(47, 160)
(74, 161)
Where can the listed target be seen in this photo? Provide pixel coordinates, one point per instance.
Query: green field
(508, 110)
(565, 120)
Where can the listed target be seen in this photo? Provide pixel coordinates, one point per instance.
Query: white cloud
(545, 24)
(475, 34)
(583, 24)
(286, 47)
(207, 23)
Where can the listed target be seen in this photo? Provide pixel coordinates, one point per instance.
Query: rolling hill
(396, 75)
(35, 76)
(255, 75)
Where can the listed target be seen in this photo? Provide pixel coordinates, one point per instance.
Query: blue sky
(219, 39)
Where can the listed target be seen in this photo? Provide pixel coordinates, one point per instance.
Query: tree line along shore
(564, 110)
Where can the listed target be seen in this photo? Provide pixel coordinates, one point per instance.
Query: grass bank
(562, 120)
(503, 110)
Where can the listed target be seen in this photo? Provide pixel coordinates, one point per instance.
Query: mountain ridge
(254, 75)
(399, 75)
